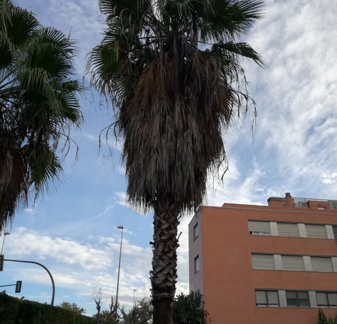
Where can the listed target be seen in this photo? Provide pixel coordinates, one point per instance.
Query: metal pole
(119, 265)
(7, 285)
(41, 265)
(134, 297)
(3, 242)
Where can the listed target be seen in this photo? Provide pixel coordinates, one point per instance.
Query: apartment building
(266, 264)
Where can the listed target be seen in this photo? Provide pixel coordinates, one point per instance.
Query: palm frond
(38, 105)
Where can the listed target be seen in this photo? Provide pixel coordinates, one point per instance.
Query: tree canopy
(38, 105)
(172, 71)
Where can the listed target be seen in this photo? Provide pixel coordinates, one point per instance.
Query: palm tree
(170, 68)
(38, 105)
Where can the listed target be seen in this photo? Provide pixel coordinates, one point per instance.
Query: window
(258, 228)
(263, 261)
(196, 264)
(297, 299)
(293, 262)
(288, 229)
(316, 231)
(321, 264)
(266, 298)
(195, 231)
(326, 299)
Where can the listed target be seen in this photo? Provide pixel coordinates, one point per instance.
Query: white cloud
(64, 251)
(30, 211)
(329, 178)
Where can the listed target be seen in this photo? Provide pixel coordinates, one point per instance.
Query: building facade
(266, 264)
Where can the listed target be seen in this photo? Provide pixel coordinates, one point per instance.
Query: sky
(72, 229)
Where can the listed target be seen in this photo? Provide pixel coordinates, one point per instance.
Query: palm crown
(171, 69)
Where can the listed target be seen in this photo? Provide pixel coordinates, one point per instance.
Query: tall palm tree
(171, 69)
(38, 105)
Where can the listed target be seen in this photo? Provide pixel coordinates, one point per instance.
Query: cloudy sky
(73, 229)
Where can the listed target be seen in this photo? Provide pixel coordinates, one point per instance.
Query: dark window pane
(291, 302)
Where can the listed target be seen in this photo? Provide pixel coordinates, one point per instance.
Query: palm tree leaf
(242, 49)
(229, 19)
(38, 105)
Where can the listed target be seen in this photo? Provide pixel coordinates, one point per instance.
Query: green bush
(16, 311)
(188, 309)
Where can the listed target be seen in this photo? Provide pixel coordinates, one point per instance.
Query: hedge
(16, 311)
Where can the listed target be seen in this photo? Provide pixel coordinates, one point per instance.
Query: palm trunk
(164, 262)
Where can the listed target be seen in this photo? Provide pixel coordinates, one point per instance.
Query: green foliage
(323, 320)
(13, 310)
(106, 317)
(38, 105)
(72, 307)
(188, 309)
(141, 313)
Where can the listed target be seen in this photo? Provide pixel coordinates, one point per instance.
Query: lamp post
(3, 242)
(119, 264)
(134, 297)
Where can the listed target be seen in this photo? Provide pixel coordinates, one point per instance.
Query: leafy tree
(72, 307)
(171, 70)
(188, 310)
(106, 317)
(141, 313)
(38, 105)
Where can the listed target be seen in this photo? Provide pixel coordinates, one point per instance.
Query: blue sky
(73, 229)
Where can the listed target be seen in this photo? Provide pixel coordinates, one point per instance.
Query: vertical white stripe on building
(307, 263)
(282, 298)
(303, 232)
(329, 231)
(312, 299)
(278, 262)
(334, 263)
(273, 229)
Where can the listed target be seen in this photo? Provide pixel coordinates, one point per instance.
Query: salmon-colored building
(266, 264)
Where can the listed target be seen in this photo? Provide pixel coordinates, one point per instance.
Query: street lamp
(119, 264)
(3, 242)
